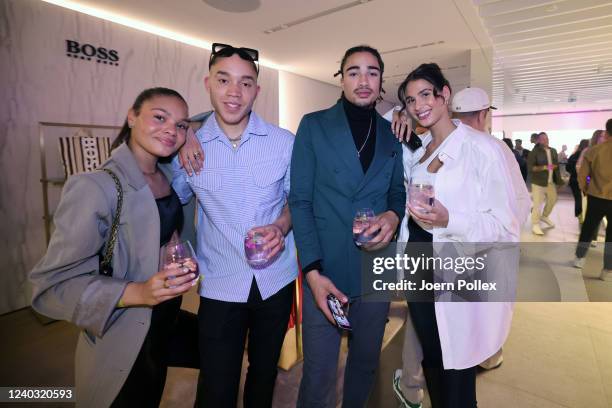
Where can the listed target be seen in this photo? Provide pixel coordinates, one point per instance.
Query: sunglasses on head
(225, 50)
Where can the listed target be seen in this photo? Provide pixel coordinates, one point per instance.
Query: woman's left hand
(191, 155)
(435, 215)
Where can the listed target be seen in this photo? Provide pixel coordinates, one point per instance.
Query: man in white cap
(471, 106)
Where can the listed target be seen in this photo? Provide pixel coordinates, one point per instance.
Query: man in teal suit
(345, 158)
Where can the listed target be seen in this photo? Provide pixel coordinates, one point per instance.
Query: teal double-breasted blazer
(328, 186)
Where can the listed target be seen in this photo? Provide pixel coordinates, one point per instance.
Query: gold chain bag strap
(106, 267)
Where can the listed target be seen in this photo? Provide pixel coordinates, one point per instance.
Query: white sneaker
(593, 244)
(547, 221)
(397, 376)
(537, 230)
(579, 263)
(606, 275)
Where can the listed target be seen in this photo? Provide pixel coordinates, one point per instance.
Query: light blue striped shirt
(237, 190)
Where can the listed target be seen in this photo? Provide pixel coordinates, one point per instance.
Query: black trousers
(597, 208)
(447, 388)
(170, 342)
(577, 197)
(223, 331)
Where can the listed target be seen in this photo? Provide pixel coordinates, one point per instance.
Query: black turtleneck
(359, 120)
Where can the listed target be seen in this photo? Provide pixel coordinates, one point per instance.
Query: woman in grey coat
(127, 318)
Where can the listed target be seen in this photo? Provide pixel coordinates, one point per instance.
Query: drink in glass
(420, 192)
(362, 221)
(254, 250)
(179, 254)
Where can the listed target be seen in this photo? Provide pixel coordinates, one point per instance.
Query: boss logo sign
(89, 52)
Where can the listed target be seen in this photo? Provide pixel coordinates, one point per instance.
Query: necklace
(366, 141)
(235, 142)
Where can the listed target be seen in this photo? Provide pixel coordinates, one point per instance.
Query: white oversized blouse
(485, 205)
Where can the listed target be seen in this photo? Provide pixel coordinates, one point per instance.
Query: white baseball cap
(471, 100)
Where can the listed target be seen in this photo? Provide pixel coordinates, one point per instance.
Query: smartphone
(338, 312)
(414, 142)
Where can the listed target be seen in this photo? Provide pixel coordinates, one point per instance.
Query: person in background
(595, 180)
(471, 106)
(596, 138)
(241, 191)
(543, 165)
(534, 140)
(518, 146)
(128, 318)
(563, 162)
(519, 159)
(563, 155)
(573, 179)
(345, 158)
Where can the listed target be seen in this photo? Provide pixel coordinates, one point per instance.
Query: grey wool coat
(67, 283)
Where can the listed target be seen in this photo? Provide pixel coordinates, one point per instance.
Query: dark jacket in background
(522, 162)
(525, 153)
(537, 157)
(571, 166)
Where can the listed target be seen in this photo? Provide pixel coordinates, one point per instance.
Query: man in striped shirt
(241, 189)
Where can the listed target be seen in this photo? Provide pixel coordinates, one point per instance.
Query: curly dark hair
(431, 73)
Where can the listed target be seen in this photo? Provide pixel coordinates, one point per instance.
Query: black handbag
(106, 258)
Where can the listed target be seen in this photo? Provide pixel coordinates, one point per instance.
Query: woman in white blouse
(475, 203)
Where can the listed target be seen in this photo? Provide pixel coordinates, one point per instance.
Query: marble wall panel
(40, 83)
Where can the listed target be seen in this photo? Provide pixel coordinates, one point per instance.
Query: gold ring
(196, 154)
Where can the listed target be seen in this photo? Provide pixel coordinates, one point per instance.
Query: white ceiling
(406, 32)
(544, 49)
(550, 55)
